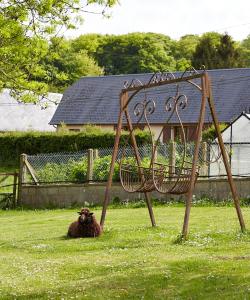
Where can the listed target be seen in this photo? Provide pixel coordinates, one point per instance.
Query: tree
(245, 50)
(183, 50)
(206, 51)
(89, 43)
(24, 27)
(229, 55)
(63, 65)
(135, 53)
(216, 51)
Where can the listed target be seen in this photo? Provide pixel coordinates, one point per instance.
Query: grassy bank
(130, 260)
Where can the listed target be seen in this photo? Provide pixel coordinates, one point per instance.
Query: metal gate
(8, 190)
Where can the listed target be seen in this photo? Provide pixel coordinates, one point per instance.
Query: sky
(174, 18)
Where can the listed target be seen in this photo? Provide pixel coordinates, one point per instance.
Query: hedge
(15, 143)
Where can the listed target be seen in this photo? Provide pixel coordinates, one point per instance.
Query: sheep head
(86, 217)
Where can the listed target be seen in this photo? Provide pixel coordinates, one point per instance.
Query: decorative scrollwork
(192, 71)
(158, 77)
(147, 107)
(164, 77)
(189, 72)
(173, 102)
(134, 83)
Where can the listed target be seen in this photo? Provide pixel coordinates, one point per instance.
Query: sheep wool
(85, 226)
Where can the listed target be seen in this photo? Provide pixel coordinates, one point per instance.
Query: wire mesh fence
(57, 167)
(94, 165)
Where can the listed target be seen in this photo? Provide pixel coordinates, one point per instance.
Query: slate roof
(95, 100)
(17, 116)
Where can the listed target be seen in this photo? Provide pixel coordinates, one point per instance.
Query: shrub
(76, 171)
(79, 170)
(210, 134)
(53, 172)
(101, 169)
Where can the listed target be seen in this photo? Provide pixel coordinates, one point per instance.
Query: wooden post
(226, 163)
(22, 174)
(15, 189)
(31, 171)
(195, 157)
(172, 157)
(204, 167)
(90, 165)
(95, 154)
(112, 165)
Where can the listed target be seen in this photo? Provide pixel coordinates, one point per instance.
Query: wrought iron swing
(162, 176)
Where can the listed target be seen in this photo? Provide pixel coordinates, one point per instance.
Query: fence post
(172, 157)
(204, 167)
(14, 189)
(22, 174)
(96, 154)
(90, 164)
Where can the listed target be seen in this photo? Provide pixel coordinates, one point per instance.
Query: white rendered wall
(240, 153)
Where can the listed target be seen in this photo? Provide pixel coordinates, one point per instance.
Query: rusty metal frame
(161, 79)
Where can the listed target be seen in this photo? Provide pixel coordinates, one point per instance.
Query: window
(74, 129)
(125, 127)
(178, 135)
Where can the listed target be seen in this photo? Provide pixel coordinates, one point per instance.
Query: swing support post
(112, 165)
(195, 157)
(226, 162)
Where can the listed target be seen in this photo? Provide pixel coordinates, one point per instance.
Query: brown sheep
(85, 226)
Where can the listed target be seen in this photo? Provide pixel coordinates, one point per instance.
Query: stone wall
(49, 196)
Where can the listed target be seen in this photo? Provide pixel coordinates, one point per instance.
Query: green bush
(101, 169)
(210, 133)
(76, 171)
(15, 143)
(53, 172)
(79, 170)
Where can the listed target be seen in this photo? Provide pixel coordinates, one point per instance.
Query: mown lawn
(130, 261)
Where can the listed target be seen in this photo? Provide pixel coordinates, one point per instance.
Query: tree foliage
(33, 60)
(63, 66)
(216, 51)
(135, 53)
(245, 51)
(24, 27)
(183, 50)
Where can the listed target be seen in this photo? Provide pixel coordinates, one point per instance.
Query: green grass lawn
(131, 260)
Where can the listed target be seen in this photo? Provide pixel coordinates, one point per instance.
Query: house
(238, 131)
(17, 116)
(236, 137)
(95, 100)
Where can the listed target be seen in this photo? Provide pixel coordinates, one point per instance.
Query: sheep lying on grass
(85, 226)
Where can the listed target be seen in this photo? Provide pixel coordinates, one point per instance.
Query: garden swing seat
(147, 179)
